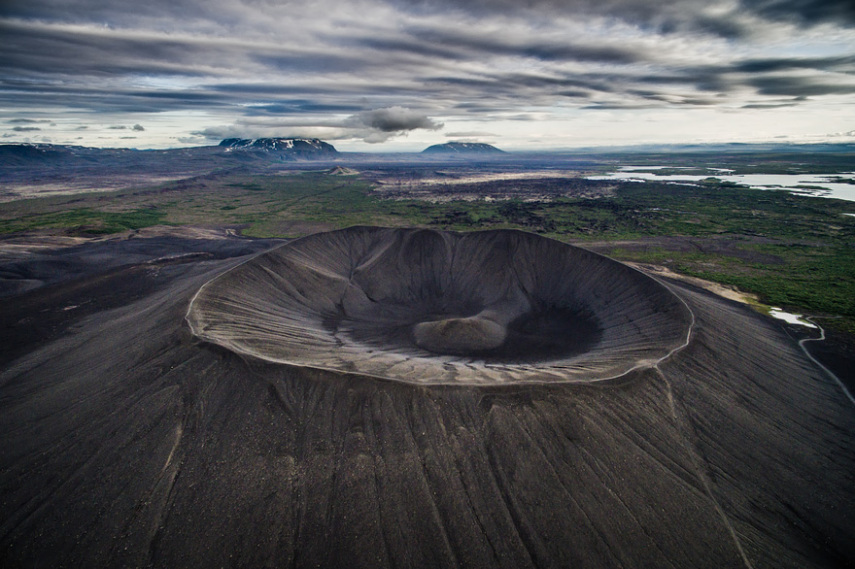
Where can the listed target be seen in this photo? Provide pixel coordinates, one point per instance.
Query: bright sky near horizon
(399, 75)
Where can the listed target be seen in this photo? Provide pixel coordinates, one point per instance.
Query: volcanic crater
(127, 442)
(433, 307)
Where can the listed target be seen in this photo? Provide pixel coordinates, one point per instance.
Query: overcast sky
(398, 75)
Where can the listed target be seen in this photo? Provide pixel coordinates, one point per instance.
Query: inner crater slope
(431, 307)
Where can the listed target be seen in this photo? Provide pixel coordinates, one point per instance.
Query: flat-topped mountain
(462, 148)
(296, 147)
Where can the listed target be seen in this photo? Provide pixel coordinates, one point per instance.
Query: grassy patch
(819, 280)
(86, 221)
(793, 251)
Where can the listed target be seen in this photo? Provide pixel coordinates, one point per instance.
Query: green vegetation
(86, 221)
(817, 279)
(793, 251)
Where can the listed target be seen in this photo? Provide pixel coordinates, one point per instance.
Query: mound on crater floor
(426, 306)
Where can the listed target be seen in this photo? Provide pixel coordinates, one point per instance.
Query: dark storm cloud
(25, 128)
(837, 64)
(731, 26)
(36, 49)
(105, 98)
(769, 105)
(675, 99)
(799, 86)
(573, 94)
(475, 44)
(193, 97)
(704, 78)
(312, 62)
(666, 16)
(804, 12)
(675, 13)
(395, 119)
(617, 107)
(373, 126)
(111, 11)
(534, 88)
(631, 8)
(793, 77)
(271, 89)
(539, 89)
(299, 107)
(409, 46)
(699, 86)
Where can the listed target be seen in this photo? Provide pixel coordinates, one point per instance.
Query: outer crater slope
(125, 441)
(423, 306)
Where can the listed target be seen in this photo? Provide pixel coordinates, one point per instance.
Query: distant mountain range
(26, 162)
(462, 148)
(239, 151)
(229, 151)
(291, 147)
(23, 163)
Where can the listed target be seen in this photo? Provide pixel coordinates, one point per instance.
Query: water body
(821, 185)
(790, 318)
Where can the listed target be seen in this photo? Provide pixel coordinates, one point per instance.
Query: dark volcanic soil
(125, 441)
(431, 307)
(43, 293)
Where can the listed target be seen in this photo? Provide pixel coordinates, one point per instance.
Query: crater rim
(248, 320)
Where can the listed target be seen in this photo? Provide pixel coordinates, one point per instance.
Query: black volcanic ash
(429, 307)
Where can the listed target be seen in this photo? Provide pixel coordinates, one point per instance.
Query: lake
(822, 186)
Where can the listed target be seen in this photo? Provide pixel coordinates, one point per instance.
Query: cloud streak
(377, 71)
